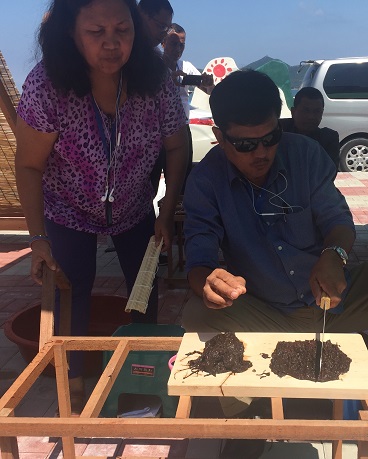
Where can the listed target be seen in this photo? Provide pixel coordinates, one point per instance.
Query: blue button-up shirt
(274, 253)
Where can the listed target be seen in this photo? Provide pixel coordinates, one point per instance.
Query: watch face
(343, 255)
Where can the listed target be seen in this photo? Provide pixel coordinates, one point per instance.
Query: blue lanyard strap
(108, 144)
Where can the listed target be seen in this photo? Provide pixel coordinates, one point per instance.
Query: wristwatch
(340, 252)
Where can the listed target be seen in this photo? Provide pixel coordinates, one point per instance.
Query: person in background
(266, 198)
(307, 115)
(157, 18)
(92, 119)
(174, 45)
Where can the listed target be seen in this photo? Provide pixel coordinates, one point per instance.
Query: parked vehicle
(200, 123)
(344, 85)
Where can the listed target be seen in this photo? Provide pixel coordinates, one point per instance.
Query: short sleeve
(38, 103)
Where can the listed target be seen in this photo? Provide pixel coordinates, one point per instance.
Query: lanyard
(109, 146)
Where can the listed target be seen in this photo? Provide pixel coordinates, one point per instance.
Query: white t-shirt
(189, 69)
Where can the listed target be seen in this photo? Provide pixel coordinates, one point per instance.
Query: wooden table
(89, 425)
(260, 381)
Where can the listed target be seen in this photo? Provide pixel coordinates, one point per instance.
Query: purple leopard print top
(75, 176)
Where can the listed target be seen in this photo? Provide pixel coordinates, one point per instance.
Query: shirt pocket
(298, 229)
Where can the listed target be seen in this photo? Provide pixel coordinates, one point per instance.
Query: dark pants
(75, 252)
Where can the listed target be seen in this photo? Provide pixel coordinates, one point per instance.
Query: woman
(93, 116)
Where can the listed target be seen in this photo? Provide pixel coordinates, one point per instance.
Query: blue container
(143, 372)
(351, 408)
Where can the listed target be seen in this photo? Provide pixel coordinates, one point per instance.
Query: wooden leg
(277, 408)
(184, 407)
(47, 306)
(363, 445)
(9, 445)
(63, 396)
(9, 448)
(362, 449)
(338, 413)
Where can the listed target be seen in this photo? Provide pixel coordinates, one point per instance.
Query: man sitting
(267, 199)
(306, 117)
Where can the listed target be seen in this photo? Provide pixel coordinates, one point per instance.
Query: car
(200, 124)
(344, 85)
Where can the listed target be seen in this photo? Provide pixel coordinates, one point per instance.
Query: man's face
(307, 115)
(174, 45)
(255, 164)
(157, 26)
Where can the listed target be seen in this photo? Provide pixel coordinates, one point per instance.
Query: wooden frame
(89, 425)
(172, 266)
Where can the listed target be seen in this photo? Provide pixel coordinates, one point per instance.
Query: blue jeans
(75, 252)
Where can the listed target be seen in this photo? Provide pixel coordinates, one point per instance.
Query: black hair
(68, 70)
(245, 97)
(153, 7)
(177, 28)
(309, 93)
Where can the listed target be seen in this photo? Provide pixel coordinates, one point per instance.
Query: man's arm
(328, 273)
(207, 84)
(330, 142)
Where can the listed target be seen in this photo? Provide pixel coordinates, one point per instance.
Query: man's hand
(175, 76)
(207, 83)
(328, 275)
(222, 288)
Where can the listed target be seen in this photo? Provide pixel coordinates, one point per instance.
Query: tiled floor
(17, 291)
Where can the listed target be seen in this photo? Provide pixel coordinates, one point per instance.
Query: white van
(344, 85)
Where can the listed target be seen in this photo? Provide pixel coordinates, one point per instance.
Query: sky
(246, 30)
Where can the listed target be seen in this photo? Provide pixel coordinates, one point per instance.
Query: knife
(325, 305)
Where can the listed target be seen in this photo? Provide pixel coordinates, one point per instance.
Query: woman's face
(104, 35)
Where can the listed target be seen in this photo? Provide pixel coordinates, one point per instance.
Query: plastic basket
(143, 372)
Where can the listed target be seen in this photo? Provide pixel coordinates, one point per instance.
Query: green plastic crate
(143, 372)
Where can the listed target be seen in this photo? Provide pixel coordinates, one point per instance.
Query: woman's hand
(41, 252)
(164, 230)
(222, 288)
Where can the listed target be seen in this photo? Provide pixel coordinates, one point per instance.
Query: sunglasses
(248, 144)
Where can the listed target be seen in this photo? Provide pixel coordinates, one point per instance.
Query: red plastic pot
(107, 314)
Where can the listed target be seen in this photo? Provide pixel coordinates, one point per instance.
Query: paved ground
(17, 291)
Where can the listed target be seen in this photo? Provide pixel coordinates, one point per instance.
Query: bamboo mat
(9, 200)
(138, 299)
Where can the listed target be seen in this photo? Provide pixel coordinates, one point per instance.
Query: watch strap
(340, 252)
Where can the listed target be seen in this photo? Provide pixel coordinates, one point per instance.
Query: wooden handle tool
(325, 301)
